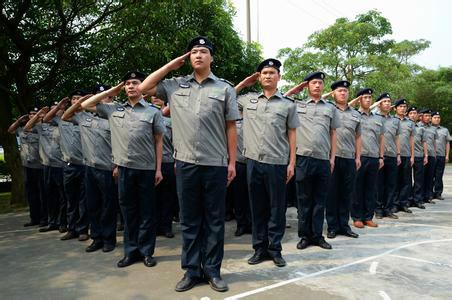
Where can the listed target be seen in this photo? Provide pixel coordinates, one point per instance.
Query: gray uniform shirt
(96, 140)
(199, 112)
(430, 138)
(265, 127)
(406, 132)
(240, 157)
(347, 133)
(392, 130)
(316, 121)
(371, 130)
(419, 138)
(49, 144)
(29, 148)
(168, 148)
(70, 142)
(443, 137)
(132, 132)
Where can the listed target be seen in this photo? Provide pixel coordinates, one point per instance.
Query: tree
(48, 48)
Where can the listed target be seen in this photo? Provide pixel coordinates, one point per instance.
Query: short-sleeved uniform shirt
(96, 140)
(443, 137)
(49, 144)
(199, 112)
(168, 148)
(70, 142)
(346, 134)
(317, 119)
(392, 130)
(406, 132)
(371, 129)
(240, 157)
(430, 138)
(29, 148)
(265, 127)
(132, 132)
(419, 139)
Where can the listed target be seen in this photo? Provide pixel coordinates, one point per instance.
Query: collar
(277, 95)
(142, 102)
(364, 113)
(309, 100)
(211, 76)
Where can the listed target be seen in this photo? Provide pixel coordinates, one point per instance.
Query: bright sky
(288, 23)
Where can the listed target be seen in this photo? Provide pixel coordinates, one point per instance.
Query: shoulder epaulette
(228, 82)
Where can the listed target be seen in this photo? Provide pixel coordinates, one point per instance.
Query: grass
(2, 157)
(6, 207)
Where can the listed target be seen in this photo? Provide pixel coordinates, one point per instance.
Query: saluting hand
(63, 103)
(114, 91)
(296, 89)
(250, 80)
(158, 177)
(355, 101)
(178, 62)
(43, 111)
(23, 119)
(327, 94)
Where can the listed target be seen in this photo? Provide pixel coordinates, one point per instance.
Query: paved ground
(407, 258)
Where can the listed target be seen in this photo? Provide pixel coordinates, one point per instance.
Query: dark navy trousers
(364, 202)
(238, 190)
(34, 189)
(404, 181)
(418, 185)
(429, 173)
(312, 179)
(74, 190)
(340, 194)
(439, 172)
(387, 186)
(201, 191)
(267, 194)
(102, 204)
(55, 199)
(137, 202)
(166, 198)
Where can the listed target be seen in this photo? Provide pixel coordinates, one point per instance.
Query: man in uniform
(347, 162)
(203, 113)
(442, 154)
(420, 160)
(316, 152)
(387, 176)
(100, 189)
(406, 138)
(73, 171)
(54, 205)
(429, 169)
(29, 154)
(137, 143)
(270, 122)
(372, 136)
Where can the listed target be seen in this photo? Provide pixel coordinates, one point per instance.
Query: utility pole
(248, 22)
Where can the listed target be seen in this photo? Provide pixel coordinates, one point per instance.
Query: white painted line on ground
(440, 212)
(415, 224)
(384, 295)
(301, 273)
(315, 274)
(373, 267)
(205, 298)
(421, 260)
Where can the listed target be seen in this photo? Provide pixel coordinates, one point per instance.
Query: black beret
(79, 92)
(400, 102)
(271, 62)
(412, 108)
(33, 108)
(365, 91)
(425, 111)
(52, 103)
(200, 41)
(133, 75)
(315, 75)
(99, 88)
(383, 95)
(435, 113)
(340, 83)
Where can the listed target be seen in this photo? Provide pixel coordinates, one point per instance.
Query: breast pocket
(216, 102)
(181, 98)
(280, 118)
(324, 116)
(251, 110)
(145, 123)
(350, 124)
(117, 118)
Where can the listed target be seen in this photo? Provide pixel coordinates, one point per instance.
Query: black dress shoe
(62, 229)
(69, 236)
(378, 216)
(323, 244)
(218, 284)
(430, 201)
(240, 231)
(94, 246)
(120, 227)
(279, 261)
(31, 224)
(228, 217)
(258, 257)
(187, 283)
(331, 234)
(127, 261)
(303, 244)
(439, 197)
(48, 228)
(149, 261)
(420, 205)
(351, 234)
(169, 234)
(83, 237)
(392, 216)
(108, 248)
(43, 224)
(406, 210)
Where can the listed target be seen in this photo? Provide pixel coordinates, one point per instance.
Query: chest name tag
(253, 100)
(184, 85)
(120, 109)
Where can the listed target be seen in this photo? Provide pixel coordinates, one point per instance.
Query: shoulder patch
(228, 82)
(289, 98)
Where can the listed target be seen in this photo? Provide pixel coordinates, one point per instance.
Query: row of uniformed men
(327, 145)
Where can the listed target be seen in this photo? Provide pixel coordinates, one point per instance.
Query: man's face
(366, 101)
(269, 78)
(31, 114)
(74, 99)
(401, 109)
(200, 58)
(413, 115)
(419, 117)
(436, 119)
(130, 87)
(341, 95)
(426, 118)
(315, 87)
(385, 105)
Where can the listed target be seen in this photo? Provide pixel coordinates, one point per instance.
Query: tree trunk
(12, 156)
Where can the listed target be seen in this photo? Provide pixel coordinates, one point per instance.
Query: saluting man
(270, 122)
(442, 154)
(203, 113)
